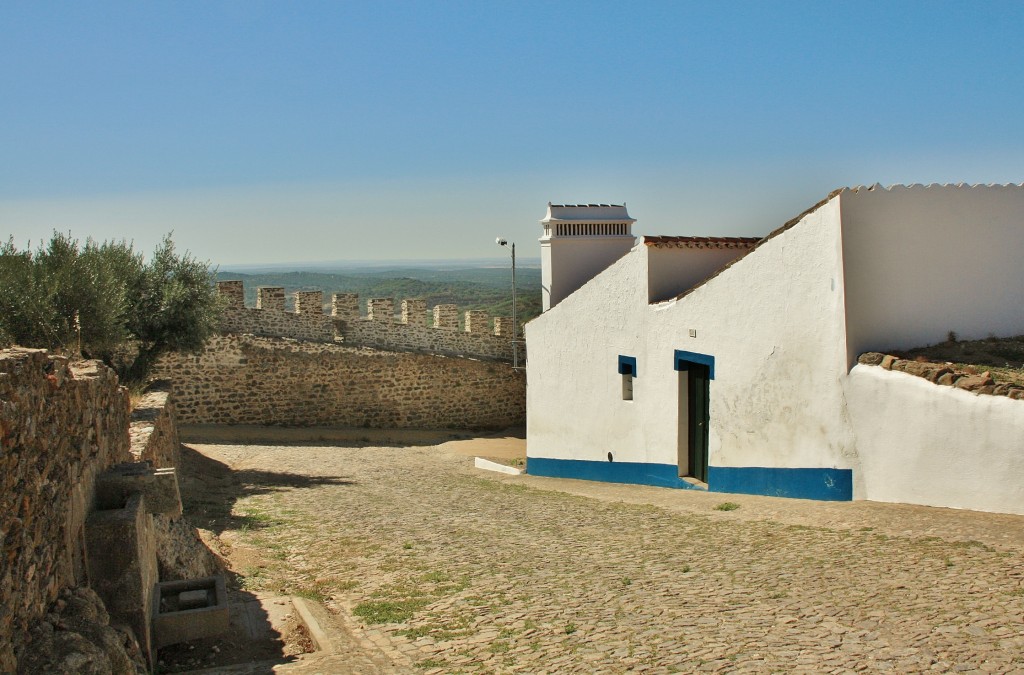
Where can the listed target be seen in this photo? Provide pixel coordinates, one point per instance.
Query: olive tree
(105, 301)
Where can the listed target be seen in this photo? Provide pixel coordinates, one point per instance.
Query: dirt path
(432, 566)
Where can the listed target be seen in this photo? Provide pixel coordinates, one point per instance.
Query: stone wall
(180, 552)
(61, 425)
(482, 336)
(387, 333)
(244, 379)
(154, 435)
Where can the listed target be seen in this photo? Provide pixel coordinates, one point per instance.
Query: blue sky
(306, 131)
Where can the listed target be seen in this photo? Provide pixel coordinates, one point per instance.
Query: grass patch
(427, 664)
(318, 592)
(570, 628)
(499, 647)
(727, 506)
(388, 611)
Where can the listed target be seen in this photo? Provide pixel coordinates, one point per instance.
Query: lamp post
(515, 325)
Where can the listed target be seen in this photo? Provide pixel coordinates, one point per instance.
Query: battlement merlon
(309, 302)
(233, 293)
(270, 298)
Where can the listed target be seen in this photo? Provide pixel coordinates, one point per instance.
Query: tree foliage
(105, 301)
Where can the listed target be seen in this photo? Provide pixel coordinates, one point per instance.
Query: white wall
(569, 262)
(574, 390)
(773, 322)
(673, 270)
(923, 261)
(921, 443)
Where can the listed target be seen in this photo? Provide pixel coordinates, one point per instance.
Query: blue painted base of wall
(830, 485)
(821, 484)
(637, 473)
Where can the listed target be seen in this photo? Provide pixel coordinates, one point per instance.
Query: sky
(280, 132)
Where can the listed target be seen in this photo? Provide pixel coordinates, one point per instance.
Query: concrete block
(178, 615)
(160, 486)
(121, 561)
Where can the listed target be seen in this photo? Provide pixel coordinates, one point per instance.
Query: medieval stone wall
(244, 379)
(61, 424)
(482, 337)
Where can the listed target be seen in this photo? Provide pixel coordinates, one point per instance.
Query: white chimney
(579, 241)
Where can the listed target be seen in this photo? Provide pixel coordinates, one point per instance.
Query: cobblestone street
(434, 566)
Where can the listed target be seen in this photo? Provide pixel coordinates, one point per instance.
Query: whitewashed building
(730, 364)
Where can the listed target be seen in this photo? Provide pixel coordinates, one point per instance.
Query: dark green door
(699, 415)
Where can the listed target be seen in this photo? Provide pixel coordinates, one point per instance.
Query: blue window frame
(627, 365)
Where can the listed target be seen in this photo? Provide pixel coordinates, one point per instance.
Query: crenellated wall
(379, 328)
(269, 317)
(245, 379)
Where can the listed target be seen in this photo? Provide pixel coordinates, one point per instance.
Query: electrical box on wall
(693, 332)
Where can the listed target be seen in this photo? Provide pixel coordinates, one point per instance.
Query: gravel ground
(432, 566)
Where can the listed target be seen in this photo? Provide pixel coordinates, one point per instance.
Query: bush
(104, 301)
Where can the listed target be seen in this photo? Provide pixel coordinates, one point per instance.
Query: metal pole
(515, 323)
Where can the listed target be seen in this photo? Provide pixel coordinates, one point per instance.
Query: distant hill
(486, 288)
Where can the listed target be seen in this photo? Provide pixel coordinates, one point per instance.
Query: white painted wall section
(923, 261)
(567, 264)
(921, 443)
(672, 271)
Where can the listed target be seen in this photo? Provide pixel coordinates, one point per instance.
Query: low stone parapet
(944, 374)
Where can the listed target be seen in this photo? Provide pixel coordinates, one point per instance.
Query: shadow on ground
(211, 488)
(242, 434)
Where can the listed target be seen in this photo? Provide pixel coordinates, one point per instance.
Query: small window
(627, 369)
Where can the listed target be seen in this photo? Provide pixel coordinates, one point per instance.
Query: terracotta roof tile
(701, 242)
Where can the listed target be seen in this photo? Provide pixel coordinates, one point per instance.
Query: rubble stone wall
(278, 322)
(483, 337)
(61, 424)
(244, 379)
(154, 435)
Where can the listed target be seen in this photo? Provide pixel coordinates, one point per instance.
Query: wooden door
(698, 414)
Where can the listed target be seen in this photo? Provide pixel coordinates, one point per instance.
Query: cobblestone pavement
(434, 566)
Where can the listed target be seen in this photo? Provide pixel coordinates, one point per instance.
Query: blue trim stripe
(831, 485)
(803, 483)
(627, 365)
(683, 358)
(637, 473)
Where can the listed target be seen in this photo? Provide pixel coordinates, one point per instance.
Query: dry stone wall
(245, 379)
(153, 433)
(180, 552)
(61, 424)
